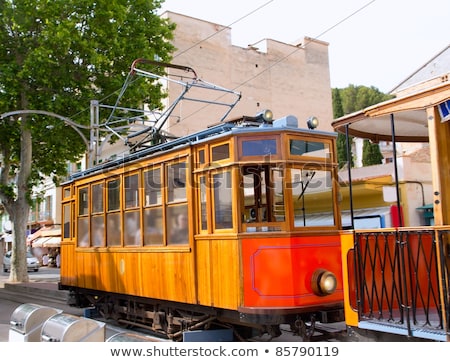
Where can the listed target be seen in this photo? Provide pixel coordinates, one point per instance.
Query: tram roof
(236, 126)
(409, 113)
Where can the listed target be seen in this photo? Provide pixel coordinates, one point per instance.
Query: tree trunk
(20, 209)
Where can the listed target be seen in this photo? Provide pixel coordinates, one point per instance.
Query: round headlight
(323, 282)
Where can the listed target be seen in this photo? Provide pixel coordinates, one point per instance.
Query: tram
(234, 227)
(237, 225)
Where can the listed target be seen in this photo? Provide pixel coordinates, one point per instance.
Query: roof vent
(287, 121)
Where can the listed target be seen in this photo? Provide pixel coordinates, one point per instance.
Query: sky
(375, 43)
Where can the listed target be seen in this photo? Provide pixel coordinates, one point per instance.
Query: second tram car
(236, 226)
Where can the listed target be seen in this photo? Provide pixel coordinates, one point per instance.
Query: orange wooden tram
(237, 226)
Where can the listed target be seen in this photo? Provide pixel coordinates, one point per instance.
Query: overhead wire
(267, 68)
(290, 54)
(191, 47)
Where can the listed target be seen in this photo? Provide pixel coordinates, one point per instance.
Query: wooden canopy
(409, 112)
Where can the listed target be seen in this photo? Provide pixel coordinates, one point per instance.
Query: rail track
(45, 293)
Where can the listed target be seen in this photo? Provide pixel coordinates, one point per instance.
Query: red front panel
(278, 271)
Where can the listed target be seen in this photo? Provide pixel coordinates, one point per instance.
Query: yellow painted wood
(351, 316)
(218, 272)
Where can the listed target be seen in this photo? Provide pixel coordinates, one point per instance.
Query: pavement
(44, 282)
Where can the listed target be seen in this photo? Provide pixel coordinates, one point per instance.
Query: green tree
(57, 56)
(341, 146)
(371, 154)
(352, 99)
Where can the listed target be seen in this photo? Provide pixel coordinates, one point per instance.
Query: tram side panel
(218, 272)
(281, 272)
(166, 276)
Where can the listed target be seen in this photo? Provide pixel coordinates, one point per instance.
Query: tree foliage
(338, 111)
(57, 56)
(349, 100)
(371, 154)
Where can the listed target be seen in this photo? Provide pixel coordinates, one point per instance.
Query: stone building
(289, 79)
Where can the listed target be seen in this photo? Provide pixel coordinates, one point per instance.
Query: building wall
(285, 78)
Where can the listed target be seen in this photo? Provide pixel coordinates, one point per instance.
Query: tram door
(258, 194)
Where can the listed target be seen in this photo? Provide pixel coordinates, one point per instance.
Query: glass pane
(131, 184)
(222, 201)
(152, 187)
(220, 152)
(83, 201)
(248, 188)
(309, 148)
(98, 230)
(312, 197)
(177, 225)
(201, 157)
(97, 198)
(176, 182)
(66, 192)
(83, 232)
(203, 214)
(153, 226)
(114, 230)
(259, 147)
(66, 212)
(278, 195)
(132, 228)
(113, 194)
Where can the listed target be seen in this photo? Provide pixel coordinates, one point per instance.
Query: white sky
(380, 45)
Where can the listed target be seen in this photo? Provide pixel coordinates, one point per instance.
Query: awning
(47, 242)
(47, 237)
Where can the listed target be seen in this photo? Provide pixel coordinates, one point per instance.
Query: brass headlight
(323, 282)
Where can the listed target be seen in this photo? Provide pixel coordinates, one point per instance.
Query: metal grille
(402, 278)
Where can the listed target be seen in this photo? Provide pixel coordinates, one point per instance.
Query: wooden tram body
(262, 246)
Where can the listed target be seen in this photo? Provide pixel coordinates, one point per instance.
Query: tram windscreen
(312, 197)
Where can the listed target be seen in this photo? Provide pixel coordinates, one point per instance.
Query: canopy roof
(409, 113)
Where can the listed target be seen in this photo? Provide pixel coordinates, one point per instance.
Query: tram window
(97, 198)
(263, 195)
(203, 210)
(152, 187)
(66, 218)
(176, 182)
(221, 152)
(201, 157)
(309, 148)
(222, 200)
(132, 229)
(113, 188)
(83, 201)
(153, 227)
(66, 192)
(312, 197)
(278, 208)
(98, 230)
(259, 147)
(114, 230)
(249, 197)
(83, 232)
(131, 184)
(177, 225)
